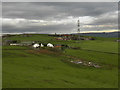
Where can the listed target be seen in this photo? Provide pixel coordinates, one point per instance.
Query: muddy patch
(41, 51)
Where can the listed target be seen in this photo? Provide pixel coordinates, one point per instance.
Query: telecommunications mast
(78, 26)
(78, 30)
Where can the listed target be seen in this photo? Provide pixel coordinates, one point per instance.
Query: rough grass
(34, 37)
(99, 57)
(24, 67)
(98, 45)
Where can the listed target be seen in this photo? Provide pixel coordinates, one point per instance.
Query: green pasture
(97, 45)
(105, 58)
(24, 67)
(35, 37)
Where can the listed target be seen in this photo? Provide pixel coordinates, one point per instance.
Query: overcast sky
(59, 17)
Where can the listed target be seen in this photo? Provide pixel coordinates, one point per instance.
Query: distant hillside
(111, 34)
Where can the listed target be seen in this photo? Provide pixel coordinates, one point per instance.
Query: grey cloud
(110, 18)
(99, 28)
(60, 1)
(47, 29)
(59, 11)
(41, 10)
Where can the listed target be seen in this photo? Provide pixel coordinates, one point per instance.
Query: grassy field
(24, 67)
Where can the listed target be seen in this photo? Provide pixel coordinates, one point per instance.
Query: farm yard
(28, 67)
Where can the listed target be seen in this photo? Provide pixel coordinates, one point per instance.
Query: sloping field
(24, 67)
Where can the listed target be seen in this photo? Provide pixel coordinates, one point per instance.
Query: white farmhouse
(36, 45)
(50, 45)
(41, 45)
(14, 44)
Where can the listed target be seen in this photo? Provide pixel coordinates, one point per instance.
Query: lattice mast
(78, 26)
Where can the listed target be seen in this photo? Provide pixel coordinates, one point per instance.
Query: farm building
(50, 45)
(118, 40)
(8, 42)
(36, 45)
(26, 43)
(26, 35)
(41, 45)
